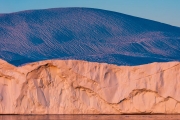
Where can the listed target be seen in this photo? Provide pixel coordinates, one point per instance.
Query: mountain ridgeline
(86, 34)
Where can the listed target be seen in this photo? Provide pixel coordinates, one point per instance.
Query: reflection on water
(89, 117)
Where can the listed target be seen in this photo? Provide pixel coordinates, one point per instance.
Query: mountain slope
(86, 34)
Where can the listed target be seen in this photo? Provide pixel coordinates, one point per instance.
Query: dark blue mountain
(86, 34)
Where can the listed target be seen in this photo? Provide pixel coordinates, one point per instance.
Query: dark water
(89, 117)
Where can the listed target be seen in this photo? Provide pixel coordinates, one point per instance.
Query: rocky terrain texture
(80, 87)
(92, 35)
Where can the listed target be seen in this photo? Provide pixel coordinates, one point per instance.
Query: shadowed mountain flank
(86, 34)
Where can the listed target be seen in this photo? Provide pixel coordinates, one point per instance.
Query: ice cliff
(81, 87)
(97, 62)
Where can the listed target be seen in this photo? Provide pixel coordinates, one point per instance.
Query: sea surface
(89, 117)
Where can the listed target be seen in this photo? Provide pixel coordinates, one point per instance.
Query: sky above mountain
(165, 11)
